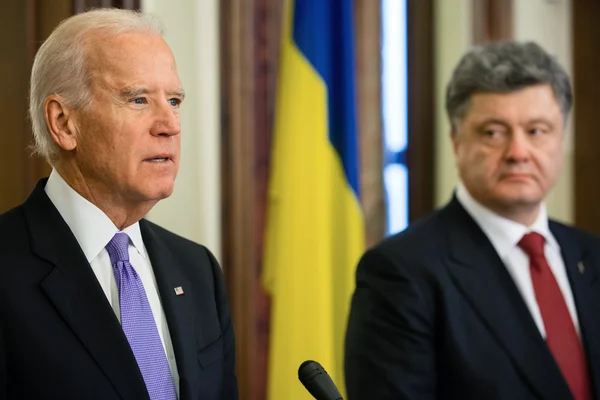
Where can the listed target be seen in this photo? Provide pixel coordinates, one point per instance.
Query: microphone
(316, 380)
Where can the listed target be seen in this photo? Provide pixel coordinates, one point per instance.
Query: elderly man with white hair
(95, 301)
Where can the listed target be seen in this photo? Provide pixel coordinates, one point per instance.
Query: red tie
(561, 336)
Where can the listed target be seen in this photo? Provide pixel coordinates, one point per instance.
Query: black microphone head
(316, 380)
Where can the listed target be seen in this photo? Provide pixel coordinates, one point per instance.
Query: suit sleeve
(390, 335)
(230, 385)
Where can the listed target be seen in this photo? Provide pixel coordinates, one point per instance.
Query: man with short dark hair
(486, 298)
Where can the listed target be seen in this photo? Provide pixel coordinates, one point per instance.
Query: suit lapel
(178, 309)
(483, 279)
(75, 292)
(582, 269)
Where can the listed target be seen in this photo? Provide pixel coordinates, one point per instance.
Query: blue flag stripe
(323, 31)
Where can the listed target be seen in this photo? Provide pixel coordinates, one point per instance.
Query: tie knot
(533, 244)
(118, 248)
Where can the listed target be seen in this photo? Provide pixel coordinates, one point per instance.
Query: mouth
(161, 158)
(517, 176)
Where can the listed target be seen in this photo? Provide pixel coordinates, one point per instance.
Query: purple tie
(138, 323)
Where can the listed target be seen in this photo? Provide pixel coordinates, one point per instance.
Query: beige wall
(453, 36)
(546, 22)
(194, 209)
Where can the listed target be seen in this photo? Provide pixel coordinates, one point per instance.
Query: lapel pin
(581, 267)
(178, 290)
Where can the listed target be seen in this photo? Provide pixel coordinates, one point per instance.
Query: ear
(455, 140)
(61, 122)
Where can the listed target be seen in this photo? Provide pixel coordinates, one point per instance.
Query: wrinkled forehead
(534, 101)
(128, 54)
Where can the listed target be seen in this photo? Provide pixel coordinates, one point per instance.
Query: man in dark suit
(95, 301)
(486, 298)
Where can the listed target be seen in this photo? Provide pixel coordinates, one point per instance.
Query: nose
(518, 147)
(166, 122)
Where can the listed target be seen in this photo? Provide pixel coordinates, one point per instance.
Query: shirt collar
(90, 226)
(504, 233)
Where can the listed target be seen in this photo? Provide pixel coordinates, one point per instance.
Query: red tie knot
(533, 244)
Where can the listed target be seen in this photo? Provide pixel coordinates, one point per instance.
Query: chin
(523, 199)
(159, 191)
(163, 194)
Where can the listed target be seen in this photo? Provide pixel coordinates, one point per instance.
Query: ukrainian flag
(315, 228)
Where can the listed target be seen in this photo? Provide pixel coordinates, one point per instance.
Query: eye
(537, 131)
(175, 102)
(492, 133)
(139, 100)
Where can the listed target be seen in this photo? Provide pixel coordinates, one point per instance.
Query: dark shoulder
(13, 230)
(418, 253)
(586, 241)
(11, 217)
(15, 245)
(422, 239)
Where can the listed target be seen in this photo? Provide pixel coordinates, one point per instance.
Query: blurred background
(227, 54)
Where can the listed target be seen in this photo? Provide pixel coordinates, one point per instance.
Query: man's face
(128, 143)
(508, 148)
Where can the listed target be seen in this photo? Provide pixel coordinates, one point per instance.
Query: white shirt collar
(504, 233)
(91, 227)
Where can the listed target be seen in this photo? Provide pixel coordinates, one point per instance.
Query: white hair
(59, 67)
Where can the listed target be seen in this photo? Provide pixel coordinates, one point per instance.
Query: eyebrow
(492, 121)
(495, 121)
(178, 92)
(541, 120)
(138, 91)
(132, 91)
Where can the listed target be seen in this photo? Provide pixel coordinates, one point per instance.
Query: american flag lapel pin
(178, 290)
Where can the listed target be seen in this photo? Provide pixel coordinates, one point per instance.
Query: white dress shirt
(505, 235)
(93, 230)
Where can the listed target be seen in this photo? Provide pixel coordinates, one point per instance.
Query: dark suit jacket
(59, 336)
(436, 315)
